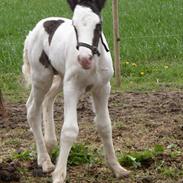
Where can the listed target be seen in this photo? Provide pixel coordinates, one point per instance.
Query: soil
(139, 120)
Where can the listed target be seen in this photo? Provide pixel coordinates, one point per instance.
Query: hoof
(47, 166)
(58, 177)
(121, 172)
(57, 181)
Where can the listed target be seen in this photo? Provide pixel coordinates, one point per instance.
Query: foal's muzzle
(85, 62)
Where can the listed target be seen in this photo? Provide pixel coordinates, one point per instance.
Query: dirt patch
(9, 171)
(140, 120)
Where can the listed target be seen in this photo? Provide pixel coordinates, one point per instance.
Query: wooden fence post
(2, 109)
(116, 42)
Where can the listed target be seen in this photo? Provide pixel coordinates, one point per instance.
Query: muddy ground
(140, 121)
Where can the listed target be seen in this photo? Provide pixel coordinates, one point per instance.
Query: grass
(151, 37)
(83, 155)
(151, 76)
(151, 30)
(23, 155)
(140, 158)
(169, 172)
(79, 155)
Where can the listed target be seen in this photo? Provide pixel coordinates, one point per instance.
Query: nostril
(90, 57)
(85, 62)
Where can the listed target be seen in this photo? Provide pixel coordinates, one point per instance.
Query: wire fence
(149, 30)
(153, 36)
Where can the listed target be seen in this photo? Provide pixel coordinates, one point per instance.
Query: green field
(151, 41)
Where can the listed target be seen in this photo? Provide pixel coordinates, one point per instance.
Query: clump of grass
(158, 149)
(22, 170)
(23, 155)
(174, 150)
(169, 171)
(80, 154)
(13, 142)
(141, 158)
(136, 159)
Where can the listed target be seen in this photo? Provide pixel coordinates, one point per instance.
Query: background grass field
(151, 59)
(151, 40)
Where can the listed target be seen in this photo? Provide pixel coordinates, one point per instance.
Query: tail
(26, 68)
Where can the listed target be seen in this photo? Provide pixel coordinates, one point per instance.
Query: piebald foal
(73, 55)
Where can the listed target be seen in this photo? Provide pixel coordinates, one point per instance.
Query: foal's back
(49, 39)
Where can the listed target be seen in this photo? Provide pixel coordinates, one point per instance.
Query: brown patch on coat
(51, 26)
(44, 60)
(97, 34)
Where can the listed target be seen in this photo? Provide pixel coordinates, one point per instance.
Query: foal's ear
(100, 4)
(72, 4)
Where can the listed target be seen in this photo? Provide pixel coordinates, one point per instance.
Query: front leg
(69, 132)
(103, 124)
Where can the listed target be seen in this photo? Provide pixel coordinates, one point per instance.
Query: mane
(90, 5)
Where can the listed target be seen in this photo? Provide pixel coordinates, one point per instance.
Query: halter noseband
(94, 46)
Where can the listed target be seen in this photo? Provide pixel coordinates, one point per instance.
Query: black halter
(94, 46)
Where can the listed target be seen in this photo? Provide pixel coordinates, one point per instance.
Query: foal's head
(88, 26)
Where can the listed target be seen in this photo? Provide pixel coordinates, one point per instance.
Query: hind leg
(28, 103)
(40, 86)
(48, 115)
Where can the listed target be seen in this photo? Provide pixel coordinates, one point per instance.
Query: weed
(175, 154)
(168, 171)
(23, 155)
(14, 142)
(22, 170)
(141, 158)
(136, 159)
(80, 154)
(158, 149)
(171, 146)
